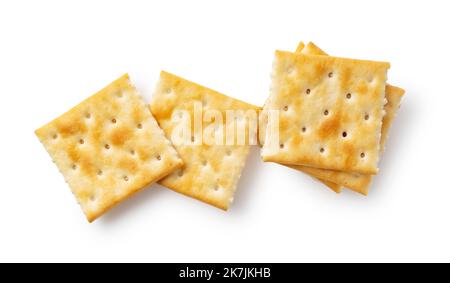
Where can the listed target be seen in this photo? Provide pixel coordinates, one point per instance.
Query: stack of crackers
(334, 116)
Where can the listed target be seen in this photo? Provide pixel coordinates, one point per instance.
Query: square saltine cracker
(330, 111)
(211, 172)
(109, 147)
(356, 182)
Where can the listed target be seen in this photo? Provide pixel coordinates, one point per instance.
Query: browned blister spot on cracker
(144, 153)
(73, 151)
(319, 71)
(362, 88)
(330, 127)
(312, 75)
(345, 76)
(296, 141)
(165, 111)
(121, 135)
(137, 114)
(349, 153)
(285, 125)
(87, 166)
(128, 164)
(71, 126)
(96, 133)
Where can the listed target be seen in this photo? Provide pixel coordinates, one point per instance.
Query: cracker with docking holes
(211, 170)
(109, 147)
(331, 111)
(360, 182)
(263, 120)
(357, 182)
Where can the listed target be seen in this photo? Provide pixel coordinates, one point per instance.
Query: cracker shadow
(311, 185)
(145, 197)
(400, 133)
(246, 187)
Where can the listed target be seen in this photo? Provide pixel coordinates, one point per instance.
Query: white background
(53, 54)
